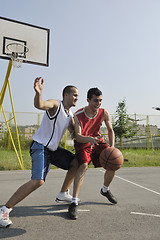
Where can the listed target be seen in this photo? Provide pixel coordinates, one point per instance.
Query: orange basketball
(111, 158)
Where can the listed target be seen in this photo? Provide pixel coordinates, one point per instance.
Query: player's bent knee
(36, 183)
(84, 167)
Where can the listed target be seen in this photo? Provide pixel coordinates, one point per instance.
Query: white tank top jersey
(52, 128)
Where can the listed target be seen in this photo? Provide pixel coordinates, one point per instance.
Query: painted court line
(136, 184)
(145, 214)
(66, 210)
(150, 190)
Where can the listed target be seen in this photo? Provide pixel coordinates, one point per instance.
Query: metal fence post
(38, 119)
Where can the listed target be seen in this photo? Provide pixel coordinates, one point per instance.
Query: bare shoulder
(53, 105)
(53, 102)
(107, 120)
(106, 115)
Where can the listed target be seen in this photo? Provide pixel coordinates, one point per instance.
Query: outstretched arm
(108, 124)
(38, 102)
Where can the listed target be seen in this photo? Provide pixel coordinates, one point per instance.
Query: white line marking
(138, 185)
(145, 214)
(66, 210)
(135, 184)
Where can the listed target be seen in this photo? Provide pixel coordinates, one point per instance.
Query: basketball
(111, 159)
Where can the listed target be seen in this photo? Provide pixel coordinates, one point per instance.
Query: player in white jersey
(45, 148)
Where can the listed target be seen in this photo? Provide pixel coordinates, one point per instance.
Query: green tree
(122, 126)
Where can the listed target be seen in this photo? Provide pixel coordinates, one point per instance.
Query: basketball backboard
(33, 39)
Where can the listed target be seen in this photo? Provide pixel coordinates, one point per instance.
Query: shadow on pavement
(11, 232)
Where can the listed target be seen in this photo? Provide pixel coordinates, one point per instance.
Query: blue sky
(110, 44)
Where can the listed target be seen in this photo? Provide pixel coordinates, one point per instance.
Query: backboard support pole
(3, 91)
(2, 95)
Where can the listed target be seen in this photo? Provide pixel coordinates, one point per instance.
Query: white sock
(75, 200)
(105, 188)
(8, 210)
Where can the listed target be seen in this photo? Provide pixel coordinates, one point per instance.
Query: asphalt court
(136, 216)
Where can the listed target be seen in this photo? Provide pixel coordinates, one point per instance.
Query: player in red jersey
(89, 144)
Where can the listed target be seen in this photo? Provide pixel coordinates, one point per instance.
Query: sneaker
(4, 217)
(109, 195)
(72, 211)
(64, 197)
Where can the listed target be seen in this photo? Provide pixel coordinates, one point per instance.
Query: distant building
(29, 132)
(142, 130)
(3, 129)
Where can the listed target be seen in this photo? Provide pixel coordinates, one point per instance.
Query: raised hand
(38, 85)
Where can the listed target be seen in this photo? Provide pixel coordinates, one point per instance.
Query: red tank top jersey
(89, 126)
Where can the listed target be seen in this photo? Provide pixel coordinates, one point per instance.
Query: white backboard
(35, 38)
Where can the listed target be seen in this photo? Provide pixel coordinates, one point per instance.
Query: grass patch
(137, 158)
(9, 161)
(141, 158)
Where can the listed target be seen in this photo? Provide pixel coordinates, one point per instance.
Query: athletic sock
(105, 188)
(75, 200)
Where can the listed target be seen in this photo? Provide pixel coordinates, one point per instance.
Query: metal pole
(3, 91)
(2, 94)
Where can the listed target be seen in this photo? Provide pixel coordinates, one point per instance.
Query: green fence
(148, 130)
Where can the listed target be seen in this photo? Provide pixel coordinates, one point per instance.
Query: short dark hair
(93, 91)
(67, 89)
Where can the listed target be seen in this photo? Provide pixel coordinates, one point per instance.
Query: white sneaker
(4, 217)
(64, 197)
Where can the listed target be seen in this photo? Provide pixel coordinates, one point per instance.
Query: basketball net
(16, 61)
(17, 53)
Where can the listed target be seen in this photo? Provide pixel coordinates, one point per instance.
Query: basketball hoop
(17, 52)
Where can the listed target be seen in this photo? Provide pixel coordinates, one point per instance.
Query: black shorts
(61, 158)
